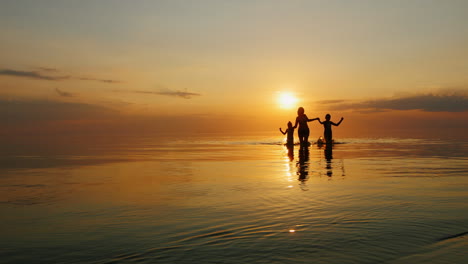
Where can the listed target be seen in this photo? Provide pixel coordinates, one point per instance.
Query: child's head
(289, 124)
(327, 117)
(300, 110)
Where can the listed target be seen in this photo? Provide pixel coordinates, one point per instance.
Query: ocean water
(213, 199)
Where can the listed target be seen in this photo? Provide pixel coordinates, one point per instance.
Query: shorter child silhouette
(327, 130)
(290, 132)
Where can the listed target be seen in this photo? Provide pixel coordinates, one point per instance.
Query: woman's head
(300, 110)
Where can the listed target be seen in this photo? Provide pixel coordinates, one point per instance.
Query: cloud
(98, 80)
(63, 93)
(44, 73)
(444, 101)
(32, 111)
(331, 101)
(32, 75)
(166, 92)
(46, 69)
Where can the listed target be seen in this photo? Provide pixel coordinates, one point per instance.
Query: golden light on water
(287, 100)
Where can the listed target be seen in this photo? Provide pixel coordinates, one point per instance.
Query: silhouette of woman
(303, 131)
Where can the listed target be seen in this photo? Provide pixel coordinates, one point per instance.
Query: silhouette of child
(290, 132)
(327, 130)
(303, 131)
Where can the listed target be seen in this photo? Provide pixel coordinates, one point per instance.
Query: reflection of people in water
(330, 162)
(329, 152)
(327, 132)
(328, 158)
(290, 152)
(290, 132)
(303, 131)
(303, 164)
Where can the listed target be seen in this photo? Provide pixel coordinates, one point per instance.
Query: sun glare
(287, 100)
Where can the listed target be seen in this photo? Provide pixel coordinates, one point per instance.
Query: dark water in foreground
(237, 200)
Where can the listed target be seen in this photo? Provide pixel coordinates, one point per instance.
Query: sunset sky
(214, 65)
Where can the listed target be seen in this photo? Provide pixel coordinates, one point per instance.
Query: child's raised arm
(341, 120)
(284, 133)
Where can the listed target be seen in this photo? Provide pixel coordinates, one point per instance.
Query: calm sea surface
(235, 200)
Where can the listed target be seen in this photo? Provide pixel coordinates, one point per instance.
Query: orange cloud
(45, 74)
(433, 102)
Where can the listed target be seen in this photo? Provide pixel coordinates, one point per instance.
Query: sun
(287, 100)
